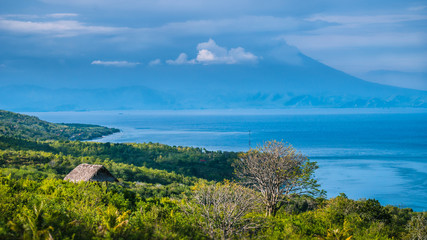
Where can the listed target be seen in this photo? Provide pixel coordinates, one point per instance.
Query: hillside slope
(29, 127)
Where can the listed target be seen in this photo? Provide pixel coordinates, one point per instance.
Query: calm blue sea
(368, 153)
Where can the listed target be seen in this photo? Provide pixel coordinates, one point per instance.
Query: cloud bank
(59, 28)
(210, 53)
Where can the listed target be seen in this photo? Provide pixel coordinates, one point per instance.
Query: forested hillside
(60, 157)
(169, 192)
(30, 127)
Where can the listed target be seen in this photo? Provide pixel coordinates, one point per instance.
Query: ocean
(364, 153)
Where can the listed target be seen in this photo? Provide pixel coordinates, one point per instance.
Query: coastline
(208, 112)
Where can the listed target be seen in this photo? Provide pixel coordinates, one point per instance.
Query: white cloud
(60, 28)
(115, 63)
(213, 47)
(62, 15)
(155, 62)
(210, 53)
(181, 59)
(205, 56)
(238, 55)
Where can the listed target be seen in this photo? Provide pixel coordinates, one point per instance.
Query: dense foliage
(57, 209)
(62, 156)
(30, 127)
(167, 192)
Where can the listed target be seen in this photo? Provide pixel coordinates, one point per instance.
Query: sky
(79, 43)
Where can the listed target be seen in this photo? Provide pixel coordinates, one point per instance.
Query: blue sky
(75, 43)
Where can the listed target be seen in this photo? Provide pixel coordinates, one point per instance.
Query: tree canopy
(30, 127)
(277, 170)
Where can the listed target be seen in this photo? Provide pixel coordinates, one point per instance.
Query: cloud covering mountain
(222, 51)
(270, 84)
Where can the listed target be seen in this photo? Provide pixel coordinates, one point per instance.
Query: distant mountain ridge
(268, 84)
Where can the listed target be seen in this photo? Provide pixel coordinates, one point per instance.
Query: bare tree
(277, 171)
(223, 210)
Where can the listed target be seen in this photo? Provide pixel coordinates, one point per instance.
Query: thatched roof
(87, 172)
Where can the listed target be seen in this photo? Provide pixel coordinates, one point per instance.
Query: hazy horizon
(92, 43)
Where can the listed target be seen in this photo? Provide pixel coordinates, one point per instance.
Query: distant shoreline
(100, 138)
(287, 111)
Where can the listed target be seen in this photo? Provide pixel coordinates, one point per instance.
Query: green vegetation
(63, 156)
(29, 127)
(40, 209)
(172, 193)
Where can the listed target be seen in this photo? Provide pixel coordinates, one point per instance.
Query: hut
(87, 172)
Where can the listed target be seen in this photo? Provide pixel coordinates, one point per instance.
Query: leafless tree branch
(276, 170)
